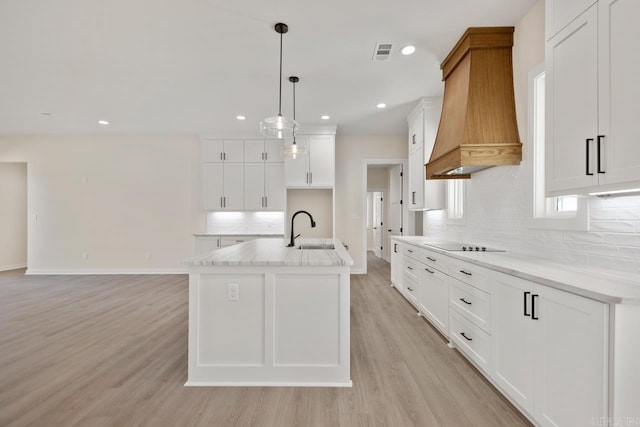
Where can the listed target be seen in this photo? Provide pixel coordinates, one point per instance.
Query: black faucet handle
(313, 224)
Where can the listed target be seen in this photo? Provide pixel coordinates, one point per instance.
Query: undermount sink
(325, 246)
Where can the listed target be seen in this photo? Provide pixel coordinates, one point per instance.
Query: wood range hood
(478, 126)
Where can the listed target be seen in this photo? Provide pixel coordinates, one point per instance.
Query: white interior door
(378, 223)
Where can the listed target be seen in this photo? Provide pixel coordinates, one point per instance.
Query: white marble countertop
(239, 234)
(274, 252)
(600, 284)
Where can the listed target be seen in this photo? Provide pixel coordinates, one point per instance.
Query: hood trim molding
(478, 127)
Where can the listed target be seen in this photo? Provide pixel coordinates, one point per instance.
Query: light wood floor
(112, 351)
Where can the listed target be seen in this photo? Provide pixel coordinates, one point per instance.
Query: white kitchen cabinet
(317, 168)
(206, 244)
(549, 351)
(218, 150)
(256, 151)
(559, 13)
(593, 99)
(223, 186)
(423, 127)
(264, 186)
(434, 297)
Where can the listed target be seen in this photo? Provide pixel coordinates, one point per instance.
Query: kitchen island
(263, 314)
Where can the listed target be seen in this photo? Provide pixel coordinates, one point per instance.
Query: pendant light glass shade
(292, 149)
(279, 126)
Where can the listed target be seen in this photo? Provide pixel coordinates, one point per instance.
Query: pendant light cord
(280, 91)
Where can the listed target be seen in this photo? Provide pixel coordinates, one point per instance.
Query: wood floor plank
(112, 351)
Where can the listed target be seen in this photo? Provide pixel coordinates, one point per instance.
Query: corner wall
(100, 204)
(351, 151)
(13, 216)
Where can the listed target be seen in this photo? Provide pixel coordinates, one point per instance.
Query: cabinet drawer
(410, 288)
(434, 260)
(234, 240)
(472, 303)
(470, 340)
(471, 274)
(411, 269)
(411, 251)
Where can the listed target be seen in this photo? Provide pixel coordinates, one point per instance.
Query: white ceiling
(191, 66)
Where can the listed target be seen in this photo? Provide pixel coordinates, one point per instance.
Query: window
(455, 200)
(565, 212)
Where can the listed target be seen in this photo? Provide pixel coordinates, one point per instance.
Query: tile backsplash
(245, 222)
(497, 211)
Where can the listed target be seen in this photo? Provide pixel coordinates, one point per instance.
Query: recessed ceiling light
(381, 105)
(103, 122)
(325, 117)
(408, 50)
(240, 117)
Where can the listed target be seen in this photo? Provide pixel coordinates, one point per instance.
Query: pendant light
(294, 150)
(279, 126)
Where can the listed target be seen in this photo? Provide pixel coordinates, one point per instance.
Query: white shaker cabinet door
(297, 170)
(434, 298)
(619, 91)
(274, 186)
(512, 339)
(233, 186)
(212, 186)
(273, 151)
(253, 151)
(212, 150)
(322, 161)
(572, 106)
(233, 150)
(559, 13)
(254, 186)
(571, 352)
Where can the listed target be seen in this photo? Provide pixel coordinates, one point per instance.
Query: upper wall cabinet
(593, 101)
(218, 150)
(256, 151)
(423, 127)
(559, 13)
(317, 168)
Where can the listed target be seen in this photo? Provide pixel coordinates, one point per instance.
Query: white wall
(351, 151)
(13, 215)
(498, 200)
(107, 203)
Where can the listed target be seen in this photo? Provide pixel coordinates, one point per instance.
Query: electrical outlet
(233, 292)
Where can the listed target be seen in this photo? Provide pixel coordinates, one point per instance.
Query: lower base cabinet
(549, 351)
(434, 298)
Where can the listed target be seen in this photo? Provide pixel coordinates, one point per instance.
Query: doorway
(13, 211)
(375, 222)
(385, 177)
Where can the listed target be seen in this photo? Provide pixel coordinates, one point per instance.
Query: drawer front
(434, 260)
(411, 269)
(234, 240)
(470, 340)
(411, 291)
(472, 303)
(411, 251)
(469, 273)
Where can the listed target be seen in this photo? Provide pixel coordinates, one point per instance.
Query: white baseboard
(33, 272)
(12, 267)
(358, 271)
(265, 384)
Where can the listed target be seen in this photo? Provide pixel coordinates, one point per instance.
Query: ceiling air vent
(382, 52)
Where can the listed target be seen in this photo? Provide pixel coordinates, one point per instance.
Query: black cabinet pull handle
(413, 197)
(395, 247)
(587, 151)
(410, 251)
(429, 271)
(464, 272)
(431, 259)
(600, 138)
(409, 289)
(466, 337)
(526, 294)
(413, 138)
(465, 301)
(533, 307)
(410, 268)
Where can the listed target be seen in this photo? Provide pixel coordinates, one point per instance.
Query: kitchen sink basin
(324, 246)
